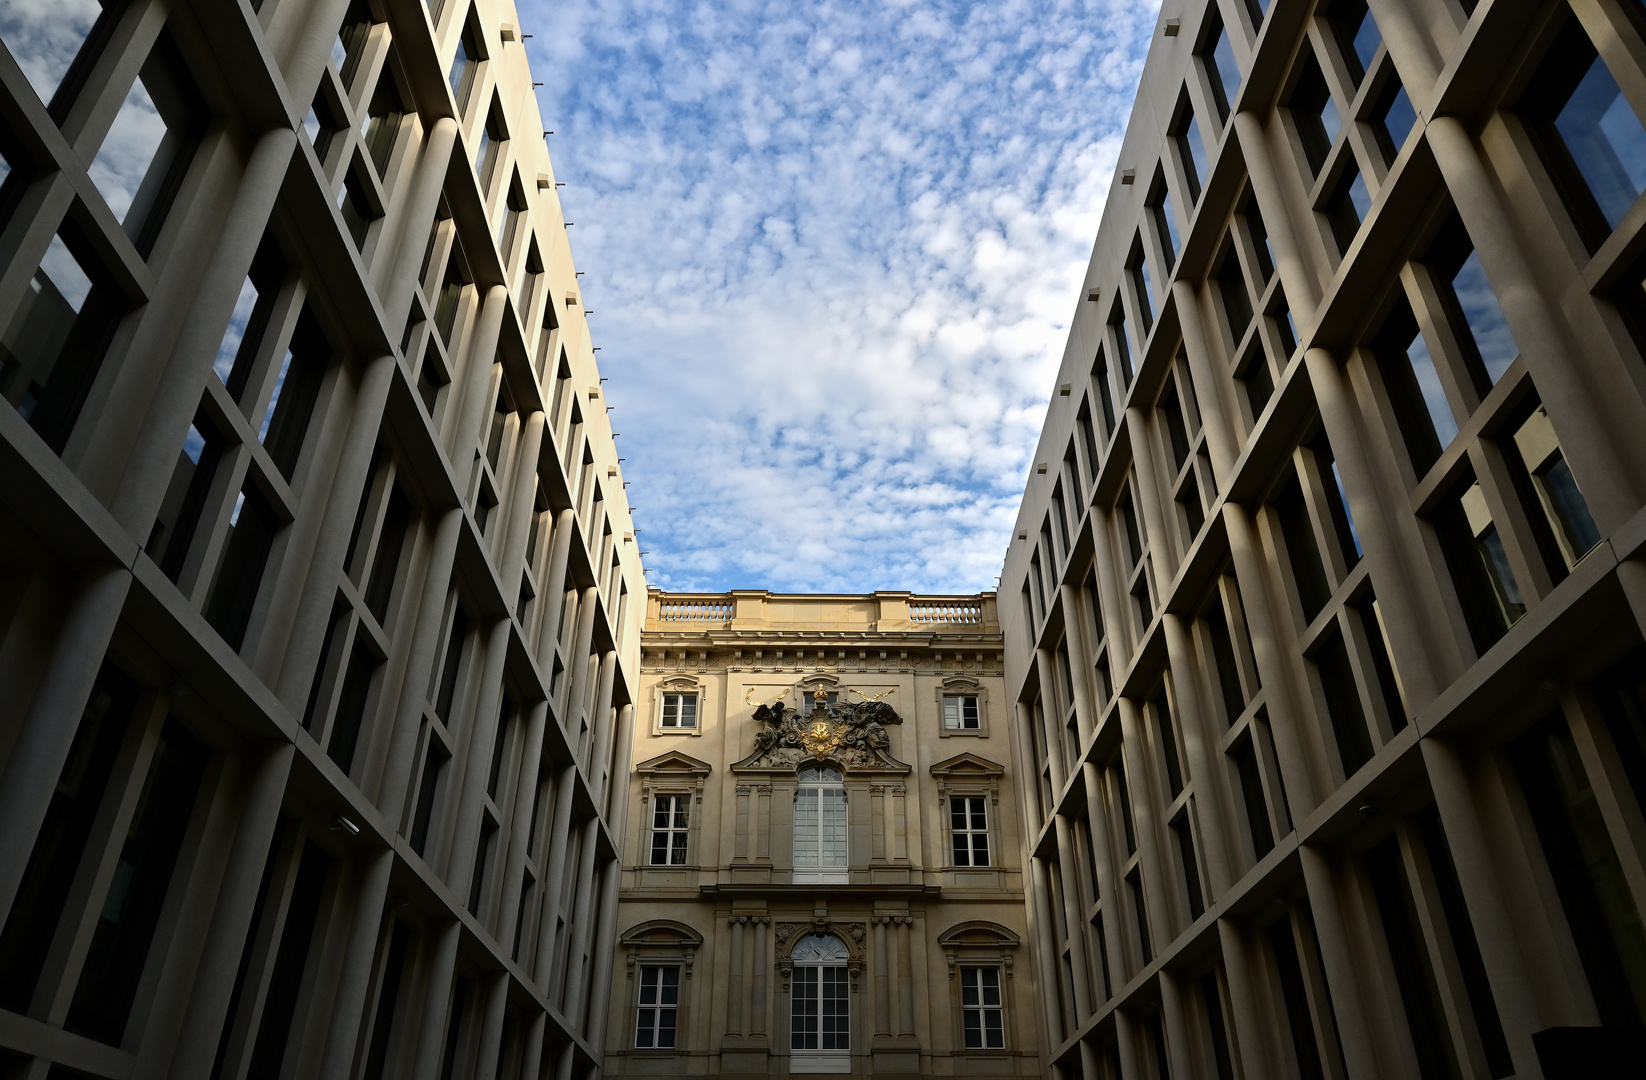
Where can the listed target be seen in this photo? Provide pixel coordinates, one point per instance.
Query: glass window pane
(1228, 72)
(128, 150)
(1195, 162)
(44, 38)
(1606, 141)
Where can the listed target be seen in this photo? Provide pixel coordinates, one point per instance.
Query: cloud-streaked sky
(832, 250)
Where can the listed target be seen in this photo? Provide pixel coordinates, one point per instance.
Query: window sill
(838, 1061)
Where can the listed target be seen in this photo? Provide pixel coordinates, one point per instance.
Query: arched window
(820, 827)
(819, 1032)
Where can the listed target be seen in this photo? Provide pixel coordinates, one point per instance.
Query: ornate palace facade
(822, 871)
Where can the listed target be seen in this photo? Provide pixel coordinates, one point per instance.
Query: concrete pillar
(491, 1027)
(520, 821)
(476, 374)
(522, 506)
(1410, 615)
(431, 1032)
(408, 722)
(1162, 552)
(733, 990)
(1047, 971)
(600, 745)
(531, 1055)
(354, 980)
(1211, 387)
(882, 980)
(1074, 916)
(48, 729)
(420, 206)
(143, 460)
(1273, 665)
(576, 1005)
(1140, 785)
(266, 769)
(1250, 1043)
(1107, 881)
(1176, 1024)
(1302, 290)
(553, 873)
(554, 591)
(578, 661)
(483, 732)
(1584, 410)
(1080, 653)
(905, 978)
(288, 661)
(1201, 733)
(1354, 1032)
(1494, 927)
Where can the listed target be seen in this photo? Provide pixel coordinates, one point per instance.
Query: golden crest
(821, 737)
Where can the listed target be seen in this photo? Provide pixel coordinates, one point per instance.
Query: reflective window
(1357, 35)
(1394, 119)
(820, 819)
(1348, 207)
(1424, 413)
(1222, 70)
(1192, 148)
(1563, 504)
(53, 347)
(1594, 135)
(1486, 584)
(44, 38)
(1166, 224)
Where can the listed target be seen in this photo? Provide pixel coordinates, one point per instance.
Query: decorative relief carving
(853, 935)
(852, 735)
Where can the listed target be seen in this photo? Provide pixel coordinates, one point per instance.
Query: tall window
(659, 1003)
(960, 712)
(669, 829)
(981, 1014)
(820, 827)
(969, 822)
(679, 710)
(820, 1016)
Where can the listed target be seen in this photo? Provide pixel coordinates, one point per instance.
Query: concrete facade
(319, 601)
(725, 883)
(1323, 608)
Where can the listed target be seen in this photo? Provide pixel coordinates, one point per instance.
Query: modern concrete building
(319, 606)
(821, 867)
(1323, 610)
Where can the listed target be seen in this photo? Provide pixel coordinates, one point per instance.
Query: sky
(831, 251)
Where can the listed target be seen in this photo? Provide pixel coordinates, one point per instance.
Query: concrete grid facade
(731, 906)
(319, 597)
(1323, 610)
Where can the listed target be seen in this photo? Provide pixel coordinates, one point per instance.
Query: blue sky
(832, 250)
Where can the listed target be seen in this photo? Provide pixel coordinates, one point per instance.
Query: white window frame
(974, 1002)
(956, 721)
(649, 1014)
(970, 834)
(829, 861)
(815, 974)
(678, 699)
(676, 830)
(957, 688)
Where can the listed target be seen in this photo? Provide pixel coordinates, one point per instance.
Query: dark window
(1100, 379)
(53, 347)
(61, 843)
(1134, 884)
(185, 500)
(296, 389)
(1296, 1001)
(465, 62)
(1142, 287)
(1237, 299)
(320, 124)
(1221, 70)
(1590, 134)
(1471, 305)
(388, 996)
(1168, 743)
(1414, 969)
(1371, 622)
(1223, 657)
(1347, 207)
(1191, 147)
(1251, 791)
(1122, 346)
(1285, 328)
(1393, 118)
(252, 527)
(1260, 240)
(291, 960)
(350, 42)
(386, 564)
(1191, 866)
(1486, 585)
(351, 706)
(357, 207)
(482, 856)
(1601, 913)
(1542, 466)
(1357, 36)
(1427, 423)
(130, 913)
(1257, 380)
(1337, 501)
(431, 379)
(451, 292)
(1213, 1003)
(1314, 114)
(434, 759)
(383, 128)
(237, 352)
(143, 159)
(453, 662)
(1337, 683)
(1313, 589)
(1165, 219)
(1622, 694)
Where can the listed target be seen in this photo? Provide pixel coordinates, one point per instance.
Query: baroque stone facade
(793, 844)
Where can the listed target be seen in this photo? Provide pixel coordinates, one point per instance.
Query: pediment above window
(963, 767)
(673, 765)
(679, 684)
(960, 684)
(978, 934)
(662, 933)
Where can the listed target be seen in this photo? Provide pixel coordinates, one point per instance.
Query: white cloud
(834, 250)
